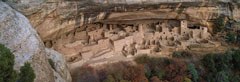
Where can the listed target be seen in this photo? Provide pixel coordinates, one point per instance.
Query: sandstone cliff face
(18, 35)
(60, 66)
(56, 18)
(53, 18)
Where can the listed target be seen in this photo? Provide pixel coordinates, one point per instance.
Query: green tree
(27, 73)
(181, 54)
(193, 72)
(142, 59)
(218, 62)
(158, 72)
(219, 24)
(236, 59)
(234, 78)
(222, 77)
(223, 62)
(147, 71)
(231, 37)
(177, 54)
(7, 73)
(208, 62)
(50, 61)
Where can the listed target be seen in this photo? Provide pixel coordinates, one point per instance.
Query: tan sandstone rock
(53, 18)
(17, 34)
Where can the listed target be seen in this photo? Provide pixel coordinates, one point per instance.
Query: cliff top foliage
(8, 74)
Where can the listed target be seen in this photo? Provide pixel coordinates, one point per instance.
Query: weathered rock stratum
(53, 18)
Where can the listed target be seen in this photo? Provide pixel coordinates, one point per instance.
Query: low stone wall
(143, 1)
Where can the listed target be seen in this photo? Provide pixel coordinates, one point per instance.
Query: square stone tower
(183, 28)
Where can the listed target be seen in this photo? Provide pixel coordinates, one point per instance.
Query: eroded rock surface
(84, 30)
(60, 66)
(18, 35)
(52, 18)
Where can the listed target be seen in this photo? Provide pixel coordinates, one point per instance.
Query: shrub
(50, 61)
(219, 24)
(142, 59)
(152, 62)
(7, 73)
(220, 66)
(176, 71)
(208, 62)
(134, 74)
(147, 71)
(235, 78)
(223, 62)
(177, 54)
(159, 73)
(236, 59)
(181, 54)
(218, 62)
(116, 70)
(26, 73)
(222, 77)
(85, 74)
(193, 72)
(231, 37)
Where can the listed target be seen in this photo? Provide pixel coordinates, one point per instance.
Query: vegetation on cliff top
(8, 74)
(27, 73)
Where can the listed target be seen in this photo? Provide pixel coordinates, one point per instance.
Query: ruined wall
(143, 1)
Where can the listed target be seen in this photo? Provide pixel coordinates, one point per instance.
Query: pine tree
(7, 73)
(27, 73)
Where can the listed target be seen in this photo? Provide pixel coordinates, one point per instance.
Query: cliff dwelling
(109, 31)
(103, 40)
(120, 40)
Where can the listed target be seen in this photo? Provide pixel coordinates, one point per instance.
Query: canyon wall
(59, 20)
(53, 18)
(17, 34)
